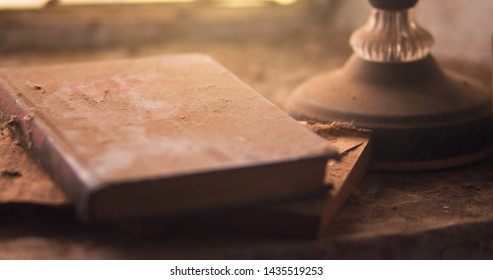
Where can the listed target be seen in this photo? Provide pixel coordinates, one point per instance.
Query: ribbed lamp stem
(391, 36)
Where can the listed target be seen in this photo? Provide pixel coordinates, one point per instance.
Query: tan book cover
(159, 137)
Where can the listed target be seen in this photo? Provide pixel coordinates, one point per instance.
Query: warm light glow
(33, 4)
(22, 4)
(252, 3)
(95, 2)
(284, 2)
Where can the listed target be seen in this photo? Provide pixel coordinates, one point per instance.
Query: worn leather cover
(159, 136)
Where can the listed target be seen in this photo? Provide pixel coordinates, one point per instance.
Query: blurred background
(271, 44)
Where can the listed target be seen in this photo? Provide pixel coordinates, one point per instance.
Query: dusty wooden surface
(442, 214)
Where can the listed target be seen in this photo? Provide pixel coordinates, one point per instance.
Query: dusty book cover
(159, 137)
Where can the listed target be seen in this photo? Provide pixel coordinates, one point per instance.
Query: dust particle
(28, 118)
(13, 120)
(39, 88)
(11, 173)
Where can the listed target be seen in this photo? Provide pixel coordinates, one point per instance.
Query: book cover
(159, 137)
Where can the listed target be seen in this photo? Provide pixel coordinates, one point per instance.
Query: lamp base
(422, 117)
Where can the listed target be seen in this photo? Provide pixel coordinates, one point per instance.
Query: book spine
(32, 134)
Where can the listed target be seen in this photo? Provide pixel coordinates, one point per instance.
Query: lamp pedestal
(423, 117)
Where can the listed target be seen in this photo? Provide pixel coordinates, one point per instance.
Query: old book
(22, 181)
(345, 174)
(310, 217)
(159, 137)
(306, 218)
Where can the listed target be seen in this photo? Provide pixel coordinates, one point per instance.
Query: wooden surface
(441, 214)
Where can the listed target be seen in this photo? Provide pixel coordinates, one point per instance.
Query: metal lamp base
(422, 117)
